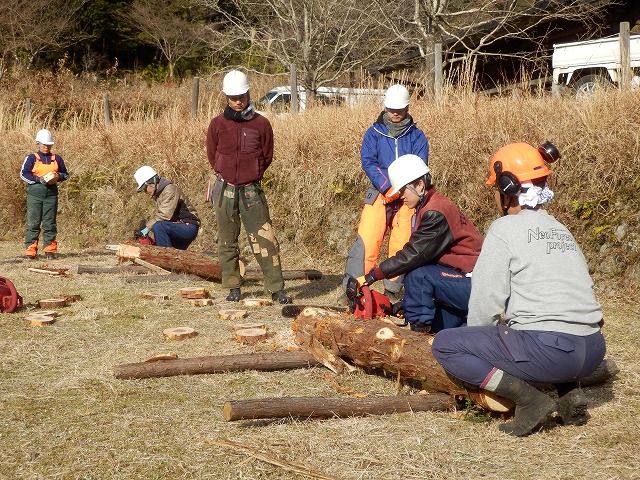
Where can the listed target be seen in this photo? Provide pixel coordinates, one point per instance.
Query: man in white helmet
(175, 223)
(438, 258)
(393, 134)
(42, 171)
(240, 149)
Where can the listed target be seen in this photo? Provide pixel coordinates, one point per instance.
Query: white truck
(586, 65)
(279, 98)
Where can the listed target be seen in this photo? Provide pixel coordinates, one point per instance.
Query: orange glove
(388, 197)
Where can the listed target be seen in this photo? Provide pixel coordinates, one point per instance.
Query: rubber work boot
(234, 295)
(31, 251)
(572, 404)
(532, 406)
(280, 297)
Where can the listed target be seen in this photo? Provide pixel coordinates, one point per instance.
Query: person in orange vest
(42, 171)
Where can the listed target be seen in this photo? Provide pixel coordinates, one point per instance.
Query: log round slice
(37, 320)
(251, 335)
(232, 314)
(179, 333)
(245, 326)
(52, 303)
(255, 302)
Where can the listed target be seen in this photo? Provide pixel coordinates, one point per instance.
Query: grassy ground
(64, 415)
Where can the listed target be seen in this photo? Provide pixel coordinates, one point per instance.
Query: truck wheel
(587, 85)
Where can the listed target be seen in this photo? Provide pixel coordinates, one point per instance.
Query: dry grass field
(63, 415)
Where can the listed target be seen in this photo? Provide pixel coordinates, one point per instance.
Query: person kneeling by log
(439, 257)
(175, 223)
(532, 272)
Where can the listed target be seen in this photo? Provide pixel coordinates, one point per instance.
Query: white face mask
(533, 196)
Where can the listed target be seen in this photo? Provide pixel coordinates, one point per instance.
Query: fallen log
(139, 269)
(253, 273)
(315, 407)
(172, 259)
(216, 364)
(173, 277)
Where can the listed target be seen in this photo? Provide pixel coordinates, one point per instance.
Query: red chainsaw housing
(371, 301)
(146, 241)
(9, 298)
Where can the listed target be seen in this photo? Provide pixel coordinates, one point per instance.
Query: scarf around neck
(244, 116)
(396, 129)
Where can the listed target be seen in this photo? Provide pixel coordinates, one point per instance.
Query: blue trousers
(472, 353)
(174, 234)
(437, 296)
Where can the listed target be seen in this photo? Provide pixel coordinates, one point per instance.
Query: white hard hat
(235, 83)
(44, 137)
(396, 97)
(143, 175)
(405, 169)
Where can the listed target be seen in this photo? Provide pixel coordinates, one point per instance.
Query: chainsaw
(365, 303)
(9, 298)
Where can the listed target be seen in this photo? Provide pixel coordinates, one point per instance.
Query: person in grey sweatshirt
(533, 315)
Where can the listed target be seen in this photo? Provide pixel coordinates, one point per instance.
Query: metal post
(294, 89)
(195, 93)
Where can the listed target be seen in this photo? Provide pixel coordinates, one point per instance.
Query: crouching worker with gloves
(175, 223)
(530, 270)
(439, 256)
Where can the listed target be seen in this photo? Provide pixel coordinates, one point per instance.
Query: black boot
(280, 297)
(572, 404)
(532, 406)
(234, 295)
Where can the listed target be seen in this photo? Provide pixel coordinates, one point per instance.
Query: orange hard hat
(523, 161)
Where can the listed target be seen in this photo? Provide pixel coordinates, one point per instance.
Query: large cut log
(172, 259)
(115, 269)
(254, 273)
(314, 407)
(216, 364)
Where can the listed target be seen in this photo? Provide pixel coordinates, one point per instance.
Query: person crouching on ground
(175, 223)
(438, 258)
(240, 148)
(42, 171)
(532, 271)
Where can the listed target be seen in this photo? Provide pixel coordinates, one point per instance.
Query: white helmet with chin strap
(405, 169)
(235, 83)
(143, 177)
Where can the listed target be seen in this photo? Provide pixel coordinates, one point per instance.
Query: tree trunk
(117, 269)
(313, 407)
(200, 264)
(215, 364)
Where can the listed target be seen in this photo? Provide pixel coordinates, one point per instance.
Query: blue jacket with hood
(379, 150)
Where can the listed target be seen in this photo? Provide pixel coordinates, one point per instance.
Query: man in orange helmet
(532, 272)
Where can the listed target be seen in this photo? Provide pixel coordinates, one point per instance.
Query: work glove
(372, 277)
(353, 293)
(388, 197)
(395, 310)
(142, 233)
(42, 180)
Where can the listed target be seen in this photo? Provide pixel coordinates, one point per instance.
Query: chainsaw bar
(292, 311)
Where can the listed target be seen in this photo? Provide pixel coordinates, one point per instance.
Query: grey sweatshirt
(531, 268)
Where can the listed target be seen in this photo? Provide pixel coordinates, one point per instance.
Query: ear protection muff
(549, 152)
(506, 182)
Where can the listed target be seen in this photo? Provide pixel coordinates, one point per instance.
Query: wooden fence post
(195, 94)
(107, 110)
(437, 67)
(294, 89)
(624, 81)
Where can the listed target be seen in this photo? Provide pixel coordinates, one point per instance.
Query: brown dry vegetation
(63, 415)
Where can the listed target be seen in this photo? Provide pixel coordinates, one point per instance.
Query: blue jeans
(174, 234)
(437, 296)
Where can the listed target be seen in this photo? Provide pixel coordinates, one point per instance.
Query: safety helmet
(516, 163)
(405, 169)
(44, 137)
(235, 83)
(396, 97)
(143, 175)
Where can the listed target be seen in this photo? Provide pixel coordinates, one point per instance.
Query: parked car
(279, 98)
(587, 65)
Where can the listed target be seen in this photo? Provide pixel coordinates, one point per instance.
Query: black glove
(420, 327)
(370, 278)
(42, 180)
(395, 310)
(353, 294)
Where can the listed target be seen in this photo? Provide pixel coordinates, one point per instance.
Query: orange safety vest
(40, 169)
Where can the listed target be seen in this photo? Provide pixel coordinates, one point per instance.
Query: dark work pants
(42, 209)
(174, 234)
(437, 296)
(472, 353)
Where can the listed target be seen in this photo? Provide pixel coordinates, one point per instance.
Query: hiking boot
(532, 406)
(280, 297)
(234, 295)
(572, 407)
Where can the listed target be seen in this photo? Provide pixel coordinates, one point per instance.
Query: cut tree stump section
(174, 260)
(38, 320)
(242, 326)
(52, 303)
(314, 407)
(193, 292)
(231, 314)
(266, 362)
(179, 333)
(249, 336)
(256, 302)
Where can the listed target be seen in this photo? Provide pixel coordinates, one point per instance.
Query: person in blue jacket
(392, 135)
